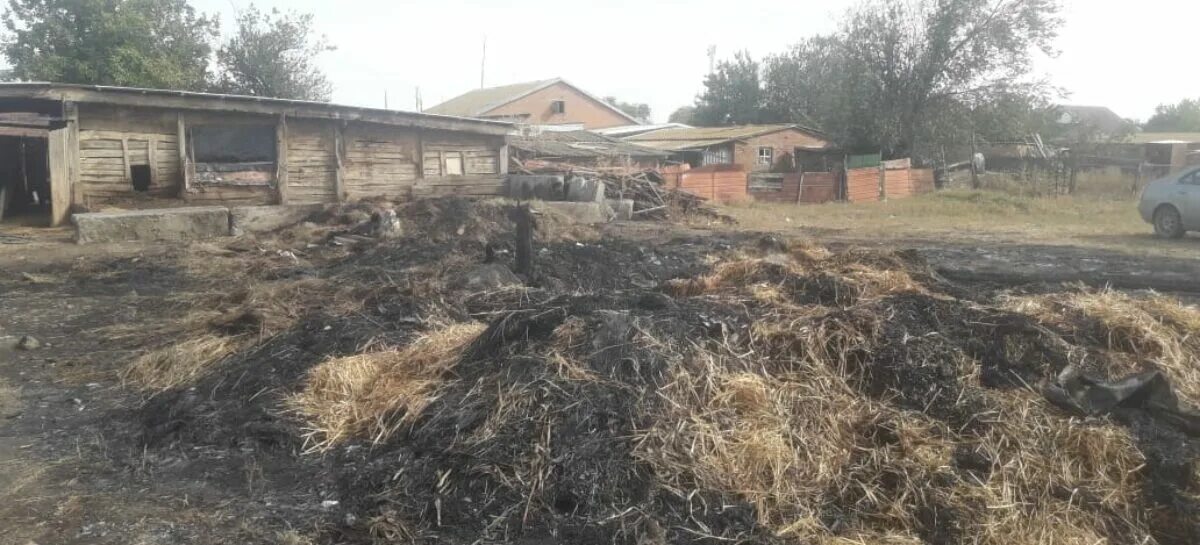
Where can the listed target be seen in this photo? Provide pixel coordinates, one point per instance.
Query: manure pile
(780, 393)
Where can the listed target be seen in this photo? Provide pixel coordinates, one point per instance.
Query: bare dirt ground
(85, 458)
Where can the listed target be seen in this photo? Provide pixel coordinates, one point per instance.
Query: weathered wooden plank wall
(315, 158)
(380, 161)
(311, 162)
(111, 140)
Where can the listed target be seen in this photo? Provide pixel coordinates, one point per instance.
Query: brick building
(545, 102)
(756, 148)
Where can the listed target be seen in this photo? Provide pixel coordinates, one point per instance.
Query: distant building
(545, 102)
(774, 148)
(1088, 123)
(583, 148)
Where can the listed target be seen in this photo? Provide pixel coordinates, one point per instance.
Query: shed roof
(679, 139)
(481, 101)
(189, 100)
(580, 145)
(625, 131)
(1165, 137)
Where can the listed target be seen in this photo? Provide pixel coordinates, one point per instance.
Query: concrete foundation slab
(585, 190)
(622, 209)
(264, 219)
(536, 186)
(159, 224)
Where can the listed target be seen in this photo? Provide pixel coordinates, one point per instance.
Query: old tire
(1167, 222)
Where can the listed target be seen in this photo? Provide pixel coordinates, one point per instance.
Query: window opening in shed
(558, 106)
(139, 177)
(453, 163)
(233, 154)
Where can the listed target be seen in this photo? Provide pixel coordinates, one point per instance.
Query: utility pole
(483, 61)
(712, 58)
(417, 100)
(385, 104)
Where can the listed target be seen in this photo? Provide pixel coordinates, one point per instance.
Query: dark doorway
(139, 176)
(24, 180)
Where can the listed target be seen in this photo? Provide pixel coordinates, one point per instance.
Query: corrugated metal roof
(699, 137)
(479, 101)
(628, 130)
(580, 144)
(1165, 137)
(212, 101)
(678, 145)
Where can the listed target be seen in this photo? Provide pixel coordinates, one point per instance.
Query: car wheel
(1167, 223)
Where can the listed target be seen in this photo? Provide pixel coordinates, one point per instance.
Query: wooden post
(800, 188)
(125, 160)
(882, 178)
(339, 174)
(71, 112)
(974, 169)
(185, 181)
(152, 159)
(58, 154)
(420, 158)
(502, 160)
(523, 218)
(281, 159)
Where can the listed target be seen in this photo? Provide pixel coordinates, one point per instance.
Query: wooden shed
(145, 148)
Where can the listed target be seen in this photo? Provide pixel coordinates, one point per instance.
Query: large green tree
(1181, 117)
(139, 43)
(273, 54)
(638, 111)
(899, 75)
(732, 94)
(683, 114)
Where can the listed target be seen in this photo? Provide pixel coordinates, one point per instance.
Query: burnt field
(650, 384)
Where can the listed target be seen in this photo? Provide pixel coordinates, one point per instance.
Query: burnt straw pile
(765, 393)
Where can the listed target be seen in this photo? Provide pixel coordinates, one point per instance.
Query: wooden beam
(71, 112)
(339, 174)
(125, 160)
(60, 176)
(185, 181)
(152, 159)
(281, 156)
(294, 109)
(420, 158)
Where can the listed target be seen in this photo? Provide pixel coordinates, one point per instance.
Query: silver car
(1172, 204)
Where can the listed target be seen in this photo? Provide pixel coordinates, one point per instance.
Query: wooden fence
(721, 183)
(891, 180)
(809, 187)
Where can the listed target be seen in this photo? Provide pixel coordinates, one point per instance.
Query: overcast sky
(1129, 56)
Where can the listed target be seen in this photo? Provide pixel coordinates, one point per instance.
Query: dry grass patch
(1140, 333)
(372, 395)
(178, 364)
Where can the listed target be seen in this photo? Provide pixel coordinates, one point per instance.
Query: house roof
(1098, 117)
(1165, 138)
(679, 139)
(625, 131)
(580, 145)
(481, 101)
(188, 100)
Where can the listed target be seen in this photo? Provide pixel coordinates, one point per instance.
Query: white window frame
(767, 159)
